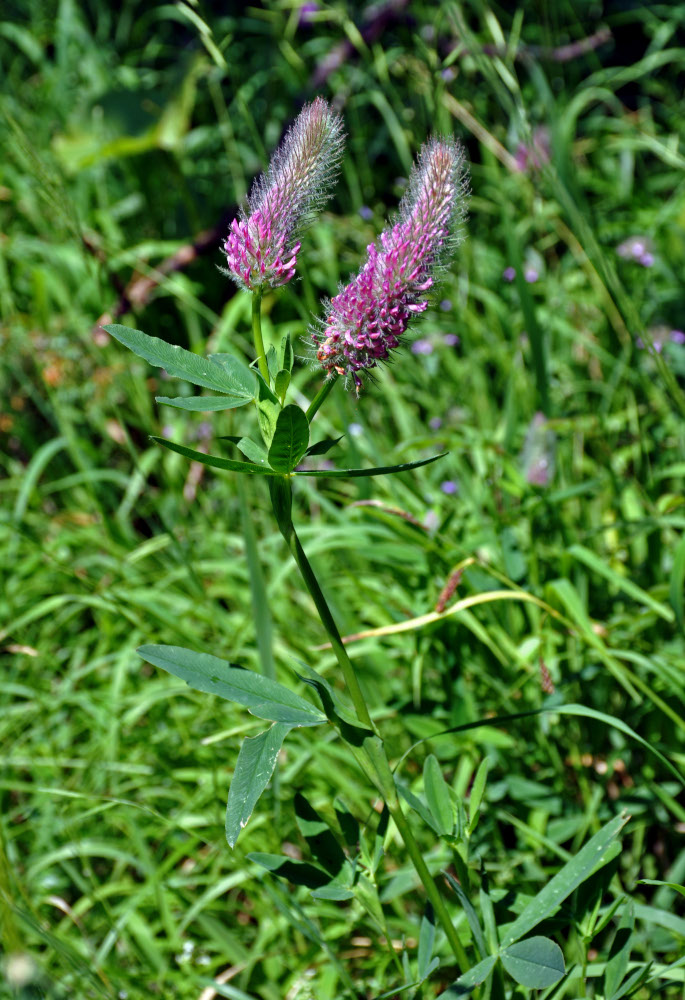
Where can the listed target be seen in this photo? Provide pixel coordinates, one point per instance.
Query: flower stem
(257, 334)
(372, 756)
(320, 397)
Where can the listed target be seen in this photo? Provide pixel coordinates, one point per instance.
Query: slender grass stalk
(257, 334)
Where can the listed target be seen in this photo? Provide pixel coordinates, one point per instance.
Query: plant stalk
(320, 397)
(257, 335)
(361, 709)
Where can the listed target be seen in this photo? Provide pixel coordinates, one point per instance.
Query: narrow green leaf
(204, 404)
(471, 915)
(261, 696)
(290, 439)
(321, 447)
(286, 358)
(281, 383)
(253, 770)
(321, 840)
(381, 471)
(676, 587)
(474, 977)
(426, 941)
(656, 881)
(535, 963)
(272, 361)
(256, 452)
(297, 872)
(438, 796)
(477, 791)
(565, 881)
(213, 460)
(603, 568)
(234, 378)
(617, 963)
(268, 408)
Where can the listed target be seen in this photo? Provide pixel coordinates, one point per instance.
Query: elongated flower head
(368, 317)
(262, 244)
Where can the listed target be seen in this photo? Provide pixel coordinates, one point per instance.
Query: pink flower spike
(366, 320)
(285, 200)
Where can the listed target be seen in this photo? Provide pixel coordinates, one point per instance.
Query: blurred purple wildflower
(677, 337)
(367, 318)
(435, 423)
(446, 305)
(537, 457)
(422, 346)
(450, 339)
(534, 155)
(531, 275)
(305, 14)
(509, 273)
(262, 245)
(366, 213)
(637, 248)
(449, 487)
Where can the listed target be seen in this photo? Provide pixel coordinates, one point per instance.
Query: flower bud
(262, 246)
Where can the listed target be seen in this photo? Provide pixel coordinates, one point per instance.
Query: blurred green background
(551, 367)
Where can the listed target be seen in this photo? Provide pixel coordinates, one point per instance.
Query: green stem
(320, 397)
(371, 755)
(257, 335)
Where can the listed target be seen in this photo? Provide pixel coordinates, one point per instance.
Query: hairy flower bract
(368, 317)
(262, 245)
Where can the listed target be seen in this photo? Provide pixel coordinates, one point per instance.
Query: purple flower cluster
(637, 248)
(262, 245)
(367, 318)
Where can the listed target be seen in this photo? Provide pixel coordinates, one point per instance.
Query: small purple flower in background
(531, 275)
(422, 347)
(435, 423)
(262, 246)
(305, 14)
(368, 317)
(537, 457)
(450, 340)
(677, 337)
(366, 213)
(355, 430)
(446, 305)
(637, 248)
(509, 273)
(537, 153)
(449, 487)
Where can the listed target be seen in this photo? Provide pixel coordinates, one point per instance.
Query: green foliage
(130, 135)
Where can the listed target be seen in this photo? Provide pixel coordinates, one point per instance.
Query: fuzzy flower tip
(368, 317)
(262, 244)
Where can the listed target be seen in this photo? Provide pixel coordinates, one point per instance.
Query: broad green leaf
(290, 439)
(321, 447)
(474, 977)
(617, 963)
(253, 770)
(676, 587)
(234, 378)
(286, 357)
(603, 568)
(322, 843)
(438, 796)
(381, 471)
(535, 963)
(255, 451)
(203, 404)
(261, 696)
(565, 881)
(477, 791)
(268, 408)
(213, 460)
(281, 383)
